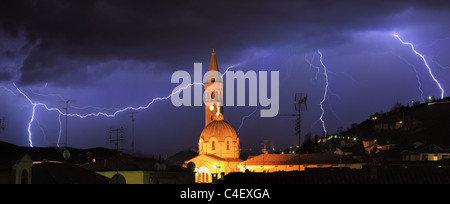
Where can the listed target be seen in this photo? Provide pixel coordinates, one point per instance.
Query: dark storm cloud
(5, 76)
(74, 35)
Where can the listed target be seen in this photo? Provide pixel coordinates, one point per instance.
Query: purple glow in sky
(425, 62)
(108, 55)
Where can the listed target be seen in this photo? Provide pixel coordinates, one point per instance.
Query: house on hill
(428, 153)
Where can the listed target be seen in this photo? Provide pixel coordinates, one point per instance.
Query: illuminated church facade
(218, 145)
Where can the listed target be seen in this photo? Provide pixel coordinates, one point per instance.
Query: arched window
(24, 177)
(203, 175)
(200, 145)
(228, 145)
(213, 145)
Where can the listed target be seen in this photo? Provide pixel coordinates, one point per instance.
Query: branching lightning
(325, 92)
(35, 104)
(425, 62)
(95, 114)
(417, 76)
(245, 117)
(9, 90)
(326, 89)
(60, 129)
(29, 125)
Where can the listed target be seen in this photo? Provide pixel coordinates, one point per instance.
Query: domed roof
(218, 129)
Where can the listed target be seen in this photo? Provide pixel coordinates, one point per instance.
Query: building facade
(16, 169)
(218, 144)
(428, 153)
(298, 162)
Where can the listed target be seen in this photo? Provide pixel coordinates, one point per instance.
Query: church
(218, 145)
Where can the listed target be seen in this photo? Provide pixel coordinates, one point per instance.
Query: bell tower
(213, 92)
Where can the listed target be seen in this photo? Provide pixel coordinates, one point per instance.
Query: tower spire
(213, 66)
(213, 92)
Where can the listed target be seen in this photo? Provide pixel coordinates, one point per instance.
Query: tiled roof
(433, 149)
(64, 173)
(128, 163)
(290, 159)
(377, 175)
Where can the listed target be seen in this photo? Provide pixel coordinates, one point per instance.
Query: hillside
(77, 156)
(428, 123)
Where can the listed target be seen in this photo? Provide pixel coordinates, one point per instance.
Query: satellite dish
(66, 154)
(157, 166)
(118, 179)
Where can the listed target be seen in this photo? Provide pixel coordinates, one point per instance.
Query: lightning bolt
(312, 66)
(325, 92)
(424, 61)
(9, 90)
(417, 75)
(60, 129)
(35, 104)
(245, 117)
(97, 114)
(29, 125)
(70, 105)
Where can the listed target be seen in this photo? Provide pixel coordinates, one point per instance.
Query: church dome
(218, 129)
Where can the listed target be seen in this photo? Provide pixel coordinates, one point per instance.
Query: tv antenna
(264, 147)
(299, 100)
(132, 131)
(119, 136)
(2, 123)
(118, 131)
(66, 144)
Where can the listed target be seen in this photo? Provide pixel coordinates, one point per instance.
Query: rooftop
(64, 173)
(312, 158)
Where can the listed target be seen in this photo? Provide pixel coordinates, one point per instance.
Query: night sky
(107, 55)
